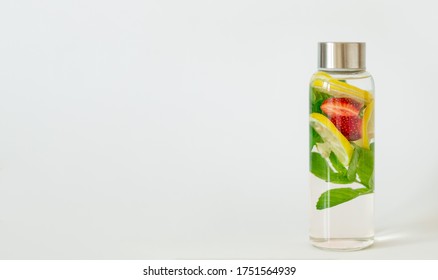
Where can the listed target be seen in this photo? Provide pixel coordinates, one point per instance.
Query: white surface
(178, 129)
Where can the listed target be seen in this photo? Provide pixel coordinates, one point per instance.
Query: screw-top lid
(341, 56)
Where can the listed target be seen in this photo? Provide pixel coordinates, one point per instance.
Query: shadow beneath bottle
(386, 239)
(414, 232)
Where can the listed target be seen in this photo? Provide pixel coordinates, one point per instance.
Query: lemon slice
(327, 84)
(367, 125)
(332, 137)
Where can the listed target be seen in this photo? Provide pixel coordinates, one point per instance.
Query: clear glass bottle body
(341, 160)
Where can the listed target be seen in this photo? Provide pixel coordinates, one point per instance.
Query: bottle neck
(343, 71)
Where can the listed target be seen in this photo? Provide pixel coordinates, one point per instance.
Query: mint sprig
(335, 197)
(360, 170)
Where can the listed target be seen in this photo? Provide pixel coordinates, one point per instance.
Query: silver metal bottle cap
(341, 56)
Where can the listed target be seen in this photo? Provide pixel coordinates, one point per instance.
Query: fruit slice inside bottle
(327, 84)
(333, 138)
(368, 125)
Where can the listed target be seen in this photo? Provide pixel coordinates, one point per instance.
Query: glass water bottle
(341, 149)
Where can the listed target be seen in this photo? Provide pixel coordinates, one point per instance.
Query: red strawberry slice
(344, 114)
(350, 127)
(341, 107)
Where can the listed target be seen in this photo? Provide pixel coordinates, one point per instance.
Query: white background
(179, 129)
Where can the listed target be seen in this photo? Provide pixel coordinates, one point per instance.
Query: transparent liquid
(349, 225)
(345, 227)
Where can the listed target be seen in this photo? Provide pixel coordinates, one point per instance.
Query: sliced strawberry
(345, 107)
(350, 126)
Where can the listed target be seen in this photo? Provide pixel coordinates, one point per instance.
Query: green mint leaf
(352, 168)
(337, 164)
(320, 168)
(335, 197)
(316, 99)
(314, 138)
(316, 106)
(365, 168)
(371, 182)
(362, 165)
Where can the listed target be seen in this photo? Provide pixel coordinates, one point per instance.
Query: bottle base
(342, 244)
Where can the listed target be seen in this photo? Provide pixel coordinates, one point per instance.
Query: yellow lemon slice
(368, 125)
(327, 84)
(333, 138)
